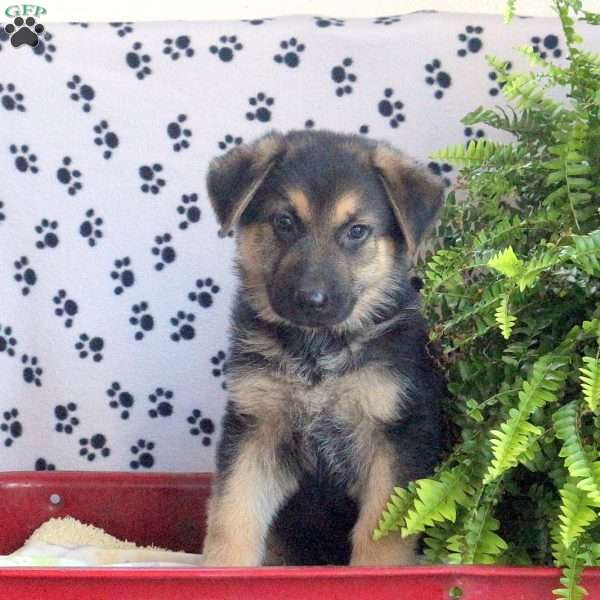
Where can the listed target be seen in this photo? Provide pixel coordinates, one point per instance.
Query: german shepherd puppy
(334, 397)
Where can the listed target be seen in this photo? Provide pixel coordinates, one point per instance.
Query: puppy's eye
(358, 233)
(283, 224)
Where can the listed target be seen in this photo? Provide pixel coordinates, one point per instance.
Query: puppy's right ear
(234, 178)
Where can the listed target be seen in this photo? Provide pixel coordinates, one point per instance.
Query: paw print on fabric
(343, 78)
(143, 457)
(438, 78)
(2, 215)
(363, 130)
(47, 229)
(257, 21)
(138, 61)
(292, 50)
(141, 319)
(440, 169)
(471, 39)
(24, 31)
(45, 48)
(69, 176)
(229, 46)
(180, 46)
(189, 210)
(218, 363)
(32, 370)
(391, 108)
(3, 37)
(165, 252)
(42, 464)
(122, 28)
(201, 426)
(11, 99)
(90, 347)
(65, 421)
(261, 104)
(206, 289)
(498, 85)
(11, 426)
(65, 307)
(547, 45)
(90, 227)
(148, 173)
(25, 275)
(24, 161)
(161, 407)
(473, 134)
(328, 22)
(388, 20)
(7, 340)
(120, 400)
(81, 92)
(230, 141)
(79, 24)
(177, 132)
(105, 138)
(122, 274)
(184, 330)
(94, 446)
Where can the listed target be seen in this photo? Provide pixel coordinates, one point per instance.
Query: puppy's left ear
(414, 194)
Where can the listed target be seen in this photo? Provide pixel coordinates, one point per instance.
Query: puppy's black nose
(312, 299)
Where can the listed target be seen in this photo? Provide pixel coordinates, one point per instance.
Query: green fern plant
(513, 288)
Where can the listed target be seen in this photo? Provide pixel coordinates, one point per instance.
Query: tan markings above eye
(300, 203)
(346, 206)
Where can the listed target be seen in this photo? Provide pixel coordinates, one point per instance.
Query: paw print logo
(201, 426)
(11, 99)
(437, 78)
(32, 371)
(218, 363)
(391, 108)
(161, 407)
(90, 228)
(138, 61)
(2, 215)
(24, 31)
(24, 161)
(389, 20)
(547, 45)
(122, 28)
(105, 138)
(65, 307)
(122, 274)
(184, 330)
(473, 134)
(143, 457)
(87, 346)
(94, 447)
(69, 176)
(261, 108)
(441, 169)
(141, 319)
(189, 210)
(47, 229)
(11, 426)
(65, 421)
(41, 464)
(81, 92)
(148, 173)
(206, 289)
(229, 46)
(180, 46)
(292, 49)
(324, 22)
(165, 252)
(230, 141)
(7, 340)
(343, 78)
(470, 37)
(25, 275)
(179, 134)
(45, 48)
(120, 399)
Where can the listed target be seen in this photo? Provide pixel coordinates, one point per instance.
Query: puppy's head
(326, 224)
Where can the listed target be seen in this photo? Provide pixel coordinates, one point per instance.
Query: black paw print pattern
(11, 99)
(388, 20)
(343, 79)
(178, 47)
(256, 21)
(7, 340)
(90, 346)
(189, 210)
(122, 274)
(141, 319)
(105, 138)
(184, 330)
(66, 307)
(43, 464)
(473, 134)
(226, 47)
(45, 48)
(546, 46)
(205, 292)
(309, 124)
(25, 275)
(94, 447)
(2, 215)
(261, 108)
(328, 22)
(179, 133)
(291, 51)
(497, 85)
(120, 399)
(32, 371)
(81, 92)
(24, 160)
(47, 230)
(218, 366)
(20, 32)
(391, 109)
(437, 78)
(160, 401)
(138, 61)
(143, 457)
(230, 141)
(90, 228)
(164, 251)
(3, 37)
(152, 184)
(65, 419)
(472, 41)
(363, 130)
(201, 426)
(441, 170)
(69, 176)
(11, 427)
(122, 28)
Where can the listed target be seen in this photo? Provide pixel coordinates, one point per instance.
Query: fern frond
(585, 252)
(572, 588)
(590, 381)
(476, 153)
(393, 516)
(505, 320)
(576, 513)
(506, 262)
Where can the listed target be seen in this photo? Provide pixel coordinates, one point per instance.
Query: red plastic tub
(168, 510)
